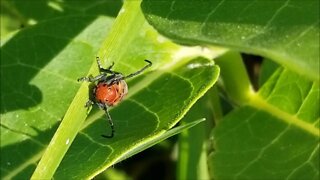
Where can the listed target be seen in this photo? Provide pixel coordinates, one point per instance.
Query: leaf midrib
(260, 103)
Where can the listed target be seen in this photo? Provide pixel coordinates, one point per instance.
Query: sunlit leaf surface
(276, 136)
(285, 31)
(39, 69)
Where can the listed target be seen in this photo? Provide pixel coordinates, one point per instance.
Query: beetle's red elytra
(110, 94)
(110, 89)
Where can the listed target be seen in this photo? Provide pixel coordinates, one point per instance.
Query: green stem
(235, 77)
(215, 104)
(128, 21)
(192, 156)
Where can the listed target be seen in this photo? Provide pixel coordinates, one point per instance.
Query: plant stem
(192, 155)
(215, 104)
(235, 77)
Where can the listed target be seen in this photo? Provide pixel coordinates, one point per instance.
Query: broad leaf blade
(284, 31)
(38, 81)
(52, 69)
(139, 119)
(157, 139)
(275, 137)
(39, 68)
(174, 78)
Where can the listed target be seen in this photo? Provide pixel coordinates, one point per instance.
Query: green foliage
(272, 132)
(285, 31)
(276, 135)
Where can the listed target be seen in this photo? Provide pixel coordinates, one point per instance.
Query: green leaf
(38, 83)
(139, 119)
(39, 68)
(267, 69)
(161, 137)
(17, 15)
(284, 31)
(275, 136)
(8, 23)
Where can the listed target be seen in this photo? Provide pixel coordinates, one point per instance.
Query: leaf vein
(262, 151)
(259, 102)
(313, 153)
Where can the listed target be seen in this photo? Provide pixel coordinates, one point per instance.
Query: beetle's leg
(140, 71)
(101, 69)
(114, 79)
(92, 79)
(111, 125)
(89, 79)
(105, 108)
(89, 103)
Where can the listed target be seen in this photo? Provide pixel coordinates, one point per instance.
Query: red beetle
(110, 89)
(110, 94)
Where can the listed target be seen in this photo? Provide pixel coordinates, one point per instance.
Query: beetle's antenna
(140, 71)
(110, 122)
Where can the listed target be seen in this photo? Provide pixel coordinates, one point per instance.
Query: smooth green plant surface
(77, 149)
(273, 133)
(285, 31)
